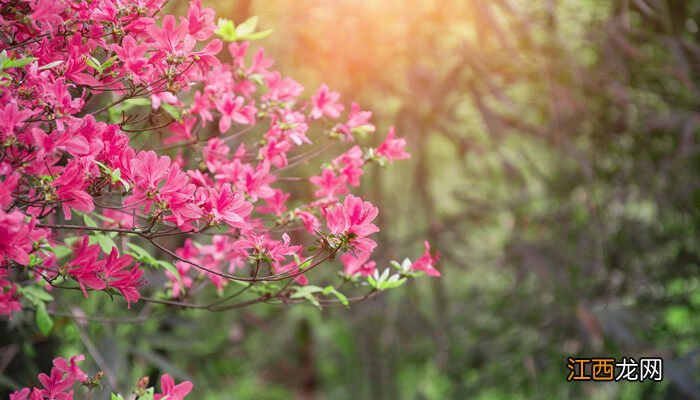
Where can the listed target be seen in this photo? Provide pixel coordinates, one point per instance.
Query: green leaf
(116, 397)
(61, 251)
(89, 221)
(105, 241)
(259, 35)
(341, 297)
(174, 112)
(141, 253)
(392, 283)
(50, 65)
(307, 292)
(93, 62)
(43, 320)
(248, 26)
(108, 63)
(36, 295)
(227, 30)
(19, 63)
(148, 395)
(138, 101)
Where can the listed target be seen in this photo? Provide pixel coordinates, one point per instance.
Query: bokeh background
(555, 167)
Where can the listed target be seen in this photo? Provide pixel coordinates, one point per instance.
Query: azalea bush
(134, 146)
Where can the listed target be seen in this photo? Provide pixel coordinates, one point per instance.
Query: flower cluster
(61, 384)
(58, 385)
(120, 128)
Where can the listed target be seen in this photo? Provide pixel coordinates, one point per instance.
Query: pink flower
(85, 268)
(325, 103)
(200, 21)
(55, 386)
(275, 204)
(70, 186)
(15, 237)
(181, 131)
(10, 117)
(358, 263)
(170, 391)
(355, 217)
(27, 394)
(350, 165)
(229, 207)
(118, 275)
(281, 90)
(232, 109)
(169, 38)
(8, 302)
(426, 261)
(119, 219)
(72, 369)
(276, 251)
(329, 184)
(309, 220)
(132, 55)
(358, 120)
(393, 149)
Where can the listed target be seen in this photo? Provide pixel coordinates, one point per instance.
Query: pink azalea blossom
(426, 262)
(393, 148)
(329, 184)
(171, 391)
(232, 109)
(325, 103)
(358, 263)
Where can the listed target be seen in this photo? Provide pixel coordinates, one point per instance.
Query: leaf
(148, 395)
(227, 30)
(248, 26)
(307, 292)
(141, 253)
(93, 62)
(36, 295)
(43, 320)
(171, 268)
(105, 241)
(50, 65)
(174, 112)
(108, 63)
(341, 297)
(138, 101)
(392, 283)
(89, 221)
(19, 63)
(61, 251)
(116, 397)
(259, 35)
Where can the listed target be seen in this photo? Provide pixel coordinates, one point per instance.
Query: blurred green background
(555, 167)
